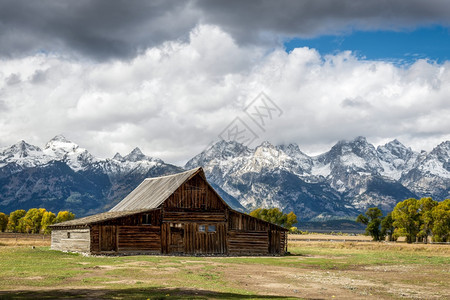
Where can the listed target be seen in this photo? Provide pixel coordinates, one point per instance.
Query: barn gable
(152, 192)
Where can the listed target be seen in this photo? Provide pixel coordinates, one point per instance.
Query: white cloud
(172, 100)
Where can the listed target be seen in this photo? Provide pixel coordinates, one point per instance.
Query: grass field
(314, 270)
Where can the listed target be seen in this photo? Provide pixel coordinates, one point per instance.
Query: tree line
(412, 218)
(275, 216)
(35, 220)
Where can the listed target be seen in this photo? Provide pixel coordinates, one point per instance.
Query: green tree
(406, 217)
(48, 218)
(387, 227)
(441, 225)
(3, 222)
(64, 216)
(373, 221)
(426, 206)
(276, 216)
(291, 219)
(13, 221)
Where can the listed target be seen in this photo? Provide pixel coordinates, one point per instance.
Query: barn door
(108, 238)
(176, 244)
(274, 242)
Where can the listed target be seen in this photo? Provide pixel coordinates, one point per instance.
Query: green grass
(24, 272)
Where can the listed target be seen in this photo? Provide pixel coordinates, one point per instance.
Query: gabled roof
(152, 192)
(98, 218)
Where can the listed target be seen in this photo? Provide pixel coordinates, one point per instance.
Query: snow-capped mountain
(342, 182)
(430, 173)
(352, 176)
(57, 149)
(21, 154)
(396, 159)
(63, 175)
(269, 176)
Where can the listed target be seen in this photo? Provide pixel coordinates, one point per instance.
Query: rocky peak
(60, 143)
(396, 149)
(20, 150)
(221, 150)
(442, 150)
(135, 155)
(226, 149)
(118, 157)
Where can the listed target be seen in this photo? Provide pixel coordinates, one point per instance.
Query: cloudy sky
(172, 76)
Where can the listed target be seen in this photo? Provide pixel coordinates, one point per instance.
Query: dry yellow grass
(20, 239)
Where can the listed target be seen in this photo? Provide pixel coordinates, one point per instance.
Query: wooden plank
(248, 242)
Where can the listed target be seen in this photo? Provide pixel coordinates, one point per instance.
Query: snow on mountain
(352, 175)
(61, 149)
(437, 162)
(57, 149)
(430, 174)
(396, 159)
(22, 154)
(268, 176)
(347, 179)
(347, 164)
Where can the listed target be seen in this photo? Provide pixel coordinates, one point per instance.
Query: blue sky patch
(400, 47)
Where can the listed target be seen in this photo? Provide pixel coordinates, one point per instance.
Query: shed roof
(152, 192)
(98, 218)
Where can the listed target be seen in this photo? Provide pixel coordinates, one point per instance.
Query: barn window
(211, 228)
(68, 235)
(146, 219)
(201, 228)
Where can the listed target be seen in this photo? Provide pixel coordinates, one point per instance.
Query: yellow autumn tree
(64, 216)
(14, 218)
(48, 219)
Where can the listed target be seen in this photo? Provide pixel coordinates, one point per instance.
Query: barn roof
(152, 192)
(98, 218)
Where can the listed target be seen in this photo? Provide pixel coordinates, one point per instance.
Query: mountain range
(338, 184)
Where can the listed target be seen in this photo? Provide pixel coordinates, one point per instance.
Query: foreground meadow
(317, 270)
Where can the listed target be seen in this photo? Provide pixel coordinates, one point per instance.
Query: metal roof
(152, 192)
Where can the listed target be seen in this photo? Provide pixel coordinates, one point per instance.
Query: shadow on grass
(136, 293)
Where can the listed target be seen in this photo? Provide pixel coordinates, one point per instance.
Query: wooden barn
(178, 214)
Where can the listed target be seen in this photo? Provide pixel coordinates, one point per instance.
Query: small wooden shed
(176, 214)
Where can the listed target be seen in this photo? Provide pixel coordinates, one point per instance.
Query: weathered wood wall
(195, 194)
(192, 205)
(248, 242)
(248, 236)
(79, 240)
(127, 234)
(134, 238)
